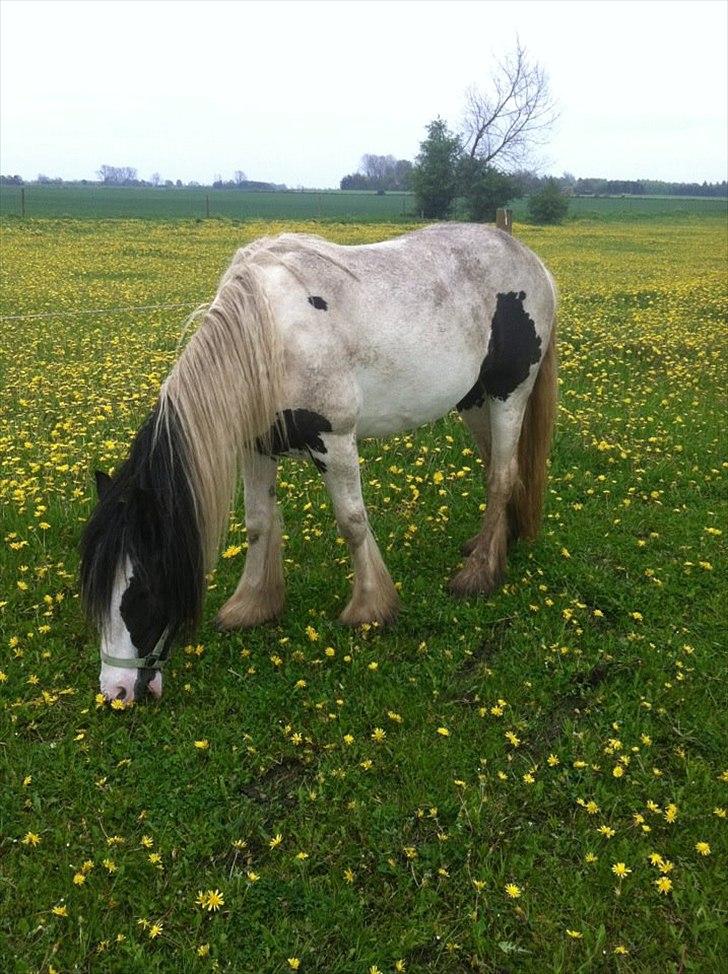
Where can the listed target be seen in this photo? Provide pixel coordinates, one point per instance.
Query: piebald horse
(307, 347)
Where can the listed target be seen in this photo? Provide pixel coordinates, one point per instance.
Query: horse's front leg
(260, 595)
(374, 597)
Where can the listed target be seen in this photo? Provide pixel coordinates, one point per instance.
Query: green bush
(549, 205)
(483, 189)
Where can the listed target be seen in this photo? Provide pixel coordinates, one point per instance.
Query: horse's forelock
(148, 517)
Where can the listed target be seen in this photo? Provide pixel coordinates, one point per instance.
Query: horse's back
(403, 325)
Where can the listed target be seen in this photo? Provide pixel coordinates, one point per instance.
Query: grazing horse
(307, 347)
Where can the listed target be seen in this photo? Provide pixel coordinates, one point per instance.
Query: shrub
(549, 205)
(483, 189)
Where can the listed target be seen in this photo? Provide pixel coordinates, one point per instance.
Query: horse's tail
(526, 507)
(224, 392)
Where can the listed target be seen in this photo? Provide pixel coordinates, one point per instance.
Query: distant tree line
(647, 187)
(380, 173)
(127, 176)
(396, 174)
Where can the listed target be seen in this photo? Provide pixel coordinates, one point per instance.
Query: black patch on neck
(318, 303)
(147, 515)
(297, 429)
(513, 348)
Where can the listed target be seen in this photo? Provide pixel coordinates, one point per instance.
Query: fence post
(22, 201)
(504, 219)
(207, 207)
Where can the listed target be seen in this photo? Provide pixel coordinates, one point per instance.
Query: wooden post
(504, 219)
(22, 201)
(207, 207)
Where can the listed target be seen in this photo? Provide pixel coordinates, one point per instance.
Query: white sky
(296, 92)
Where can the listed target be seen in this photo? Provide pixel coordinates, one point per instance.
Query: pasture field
(172, 203)
(533, 783)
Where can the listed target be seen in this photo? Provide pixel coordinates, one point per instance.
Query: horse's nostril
(121, 695)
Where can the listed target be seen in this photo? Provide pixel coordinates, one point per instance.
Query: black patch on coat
(142, 611)
(297, 429)
(146, 513)
(318, 303)
(513, 348)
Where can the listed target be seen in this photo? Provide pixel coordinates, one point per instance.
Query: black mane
(147, 513)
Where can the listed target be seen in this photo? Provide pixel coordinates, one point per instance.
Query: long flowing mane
(167, 507)
(225, 391)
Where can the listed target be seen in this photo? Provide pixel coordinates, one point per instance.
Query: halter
(155, 660)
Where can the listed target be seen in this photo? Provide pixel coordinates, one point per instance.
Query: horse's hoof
(360, 614)
(469, 583)
(247, 613)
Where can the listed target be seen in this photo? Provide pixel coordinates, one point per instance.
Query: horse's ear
(103, 483)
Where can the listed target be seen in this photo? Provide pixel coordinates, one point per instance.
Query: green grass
(172, 203)
(108, 202)
(606, 643)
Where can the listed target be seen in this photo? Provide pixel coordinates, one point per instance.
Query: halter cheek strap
(155, 660)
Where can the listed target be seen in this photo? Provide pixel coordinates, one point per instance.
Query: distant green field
(107, 202)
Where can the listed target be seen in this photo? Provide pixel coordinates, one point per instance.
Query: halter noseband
(155, 660)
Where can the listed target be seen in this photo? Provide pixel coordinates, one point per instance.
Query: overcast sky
(296, 92)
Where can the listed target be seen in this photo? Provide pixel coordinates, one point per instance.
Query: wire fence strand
(100, 311)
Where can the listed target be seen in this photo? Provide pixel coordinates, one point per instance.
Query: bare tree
(377, 168)
(117, 175)
(512, 116)
(239, 177)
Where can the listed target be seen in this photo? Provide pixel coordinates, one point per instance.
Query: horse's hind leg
(485, 566)
(477, 419)
(260, 595)
(374, 597)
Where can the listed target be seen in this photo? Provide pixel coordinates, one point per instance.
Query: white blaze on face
(119, 681)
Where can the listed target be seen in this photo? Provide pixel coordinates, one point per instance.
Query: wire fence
(160, 203)
(100, 311)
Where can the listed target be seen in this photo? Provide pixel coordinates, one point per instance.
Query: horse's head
(141, 565)
(135, 636)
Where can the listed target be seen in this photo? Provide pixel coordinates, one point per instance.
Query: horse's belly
(418, 392)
